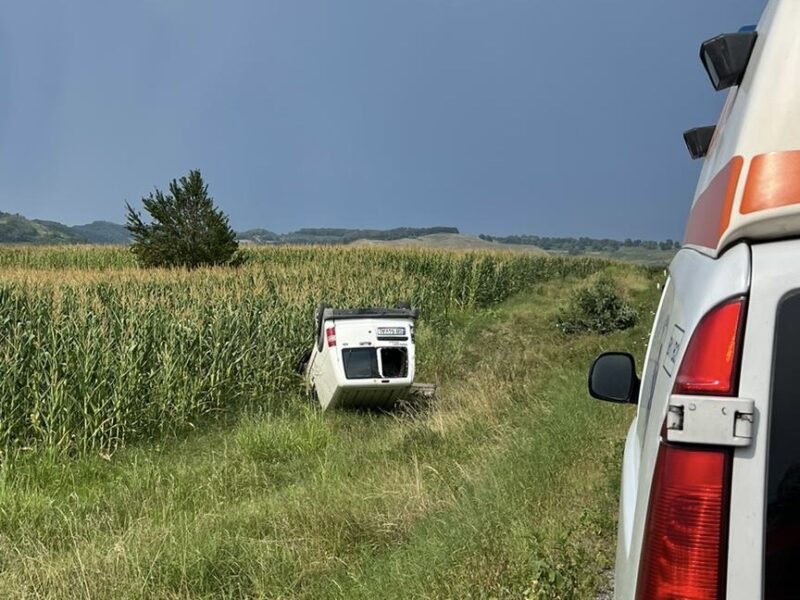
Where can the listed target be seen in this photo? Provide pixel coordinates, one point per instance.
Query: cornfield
(95, 352)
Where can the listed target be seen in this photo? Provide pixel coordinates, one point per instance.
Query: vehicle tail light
(684, 550)
(710, 364)
(330, 333)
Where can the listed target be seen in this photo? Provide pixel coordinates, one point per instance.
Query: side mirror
(613, 378)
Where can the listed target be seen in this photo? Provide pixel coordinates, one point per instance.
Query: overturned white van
(362, 358)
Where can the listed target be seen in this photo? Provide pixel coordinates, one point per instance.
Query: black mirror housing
(725, 57)
(613, 378)
(698, 140)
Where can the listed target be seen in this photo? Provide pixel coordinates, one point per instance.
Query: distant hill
(258, 236)
(16, 229)
(451, 241)
(338, 236)
(103, 232)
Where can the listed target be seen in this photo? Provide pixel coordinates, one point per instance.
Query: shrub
(598, 308)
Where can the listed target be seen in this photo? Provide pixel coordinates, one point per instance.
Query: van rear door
(764, 532)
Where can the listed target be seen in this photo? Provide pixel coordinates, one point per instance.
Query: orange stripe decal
(773, 181)
(711, 214)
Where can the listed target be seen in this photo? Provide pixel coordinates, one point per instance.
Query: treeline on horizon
(580, 245)
(331, 235)
(571, 245)
(16, 229)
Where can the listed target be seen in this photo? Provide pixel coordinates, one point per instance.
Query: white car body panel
(697, 283)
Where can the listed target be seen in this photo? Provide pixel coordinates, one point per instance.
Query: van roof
(749, 187)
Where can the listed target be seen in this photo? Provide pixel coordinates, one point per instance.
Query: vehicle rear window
(360, 363)
(394, 362)
(782, 549)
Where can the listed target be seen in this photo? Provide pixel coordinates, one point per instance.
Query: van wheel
(318, 322)
(403, 304)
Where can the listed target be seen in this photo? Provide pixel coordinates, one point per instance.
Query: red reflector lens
(330, 333)
(710, 363)
(684, 547)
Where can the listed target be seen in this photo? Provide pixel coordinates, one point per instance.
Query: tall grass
(94, 352)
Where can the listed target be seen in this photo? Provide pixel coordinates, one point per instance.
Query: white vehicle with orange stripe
(710, 493)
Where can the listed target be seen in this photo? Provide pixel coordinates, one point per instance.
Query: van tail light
(330, 333)
(710, 364)
(684, 550)
(685, 540)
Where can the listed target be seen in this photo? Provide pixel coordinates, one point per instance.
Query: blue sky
(496, 116)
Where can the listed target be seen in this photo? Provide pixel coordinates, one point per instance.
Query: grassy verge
(506, 488)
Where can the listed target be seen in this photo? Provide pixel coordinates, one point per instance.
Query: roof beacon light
(698, 140)
(725, 57)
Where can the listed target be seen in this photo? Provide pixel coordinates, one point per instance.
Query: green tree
(185, 228)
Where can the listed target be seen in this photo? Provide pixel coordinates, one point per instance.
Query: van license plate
(392, 331)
